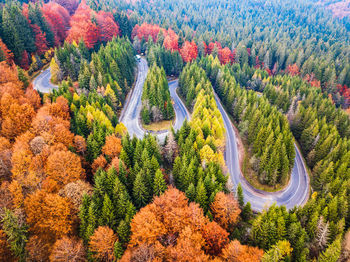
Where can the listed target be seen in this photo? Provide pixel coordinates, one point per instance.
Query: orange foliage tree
(234, 251)
(48, 215)
(112, 147)
(64, 167)
(17, 120)
(102, 243)
(8, 56)
(225, 210)
(68, 249)
(176, 229)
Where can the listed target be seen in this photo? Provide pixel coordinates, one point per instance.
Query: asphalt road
(130, 115)
(294, 194)
(42, 82)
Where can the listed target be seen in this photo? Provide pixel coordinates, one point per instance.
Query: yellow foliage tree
(54, 69)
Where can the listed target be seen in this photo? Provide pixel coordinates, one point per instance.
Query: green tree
(140, 192)
(159, 185)
(278, 252)
(16, 233)
(201, 196)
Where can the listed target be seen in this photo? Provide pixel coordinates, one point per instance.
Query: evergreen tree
(240, 196)
(191, 192)
(107, 216)
(123, 232)
(140, 192)
(16, 234)
(118, 250)
(201, 196)
(159, 185)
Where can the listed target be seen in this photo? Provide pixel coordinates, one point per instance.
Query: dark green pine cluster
(191, 81)
(156, 101)
(171, 61)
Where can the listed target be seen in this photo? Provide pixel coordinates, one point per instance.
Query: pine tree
(84, 215)
(55, 71)
(16, 234)
(240, 196)
(92, 83)
(201, 196)
(123, 232)
(191, 192)
(332, 253)
(140, 192)
(159, 185)
(118, 250)
(107, 216)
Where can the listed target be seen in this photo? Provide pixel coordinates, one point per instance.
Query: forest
(156, 102)
(76, 186)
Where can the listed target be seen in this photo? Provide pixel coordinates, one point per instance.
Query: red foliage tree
(147, 30)
(107, 26)
(25, 60)
(189, 51)
(257, 62)
(225, 55)
(40, 40)
(83, 27)
(293, 70)
(58, 18)
(345, 92)
(212, 45)
(171, 40)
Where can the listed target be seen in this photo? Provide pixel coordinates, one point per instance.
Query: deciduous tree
(64, 167)
(189, 51)
(49, 215)
(68, 249)
(225, 210)
(234, 251)
(102, 243)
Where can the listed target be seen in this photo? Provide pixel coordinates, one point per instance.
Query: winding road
(42, 82)
(296, 192)
(130, 115)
